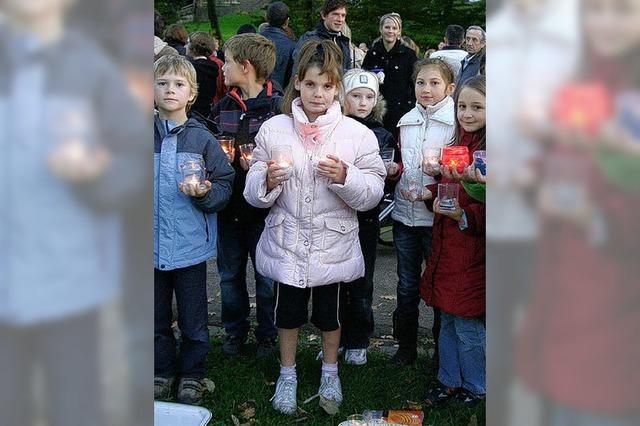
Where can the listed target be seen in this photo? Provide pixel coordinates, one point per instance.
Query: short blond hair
(257, 49)
(178, 65)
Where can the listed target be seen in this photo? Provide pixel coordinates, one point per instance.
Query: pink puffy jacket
(311, 234)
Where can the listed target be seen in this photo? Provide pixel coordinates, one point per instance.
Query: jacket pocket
(338, 238)
(274, 233)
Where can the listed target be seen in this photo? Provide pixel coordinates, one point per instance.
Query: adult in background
(277, 21)
(199, 47)
(471, 65)
(333, 15)
(451, 52)
(176, 36)
(389, 55)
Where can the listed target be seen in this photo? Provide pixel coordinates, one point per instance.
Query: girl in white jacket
(431, 124)
(310, 243)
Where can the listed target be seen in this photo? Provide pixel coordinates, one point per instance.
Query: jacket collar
(324, 32)
(314, 133)
(451, 47)
(443, 112)
(235, 94)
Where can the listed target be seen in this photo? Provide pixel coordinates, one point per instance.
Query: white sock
(329, 369)
(288, 371)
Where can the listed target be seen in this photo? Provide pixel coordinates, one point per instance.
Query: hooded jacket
(185, 227)
(311, 234)
(233, 116)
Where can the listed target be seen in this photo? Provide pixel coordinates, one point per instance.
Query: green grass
(228, 24)
(250, 381)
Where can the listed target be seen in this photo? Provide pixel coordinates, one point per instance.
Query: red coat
(579, 342)
(454, 279)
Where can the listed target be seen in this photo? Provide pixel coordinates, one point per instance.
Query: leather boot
(405, 330)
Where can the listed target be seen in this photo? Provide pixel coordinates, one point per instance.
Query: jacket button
(396, 67)
(307, 200)
(342, 227)
(161, 266)
(306, 242)
(301, 282)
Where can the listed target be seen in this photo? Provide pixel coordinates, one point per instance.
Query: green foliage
(250, 381)
(229, 24)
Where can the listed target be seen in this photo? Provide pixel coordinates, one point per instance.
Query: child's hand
(453, 214)
(452, 173)
(244, 164)
(471, 174)
(426, 195)
(430, 169)
(75, 162)
(392, 169)
(335, 169)
(275, 175)
(195, 189)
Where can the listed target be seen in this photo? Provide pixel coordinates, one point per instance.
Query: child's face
(360, 102)
(172, 93)
(316, 91)
(233, 71)
(431, 87)
(611, 26)
(471, 110)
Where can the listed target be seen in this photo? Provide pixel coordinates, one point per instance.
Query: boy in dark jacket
(199, 47)
(251, 100)
(184, 228)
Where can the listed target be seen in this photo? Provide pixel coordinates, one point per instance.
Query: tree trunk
(213, 19)
(200, 11)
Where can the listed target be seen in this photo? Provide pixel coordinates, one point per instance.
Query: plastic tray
(171, 414)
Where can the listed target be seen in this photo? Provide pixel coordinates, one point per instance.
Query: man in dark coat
(475, 45)
(278, 19)
(333, 15)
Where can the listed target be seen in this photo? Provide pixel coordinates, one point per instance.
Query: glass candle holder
(192, 172)
(246, 151)
(448, 195)
(283, 156)
(431, 157)
(480, 161)
(412, 183)
(227, 143)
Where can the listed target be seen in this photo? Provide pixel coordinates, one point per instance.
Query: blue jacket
(284, 54)
(184, 228)
(472, 69)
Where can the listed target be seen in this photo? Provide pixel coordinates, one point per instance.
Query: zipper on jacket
(206, 225)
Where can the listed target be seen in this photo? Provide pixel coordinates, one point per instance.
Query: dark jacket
(284, 54)
(242, 119)
(207, 76)
(185, 227)
(397, 89)
(454, 279)
(179, 47)
(471, 69)
(323, 33)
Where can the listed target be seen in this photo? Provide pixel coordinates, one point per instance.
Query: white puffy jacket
(420, 128)
(311, 234)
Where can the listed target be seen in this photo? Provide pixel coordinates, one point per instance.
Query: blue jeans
(190, 288)
(462, 353)
(413, 245)
(237, 241)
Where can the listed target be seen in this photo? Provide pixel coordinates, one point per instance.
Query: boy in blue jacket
(184, 229)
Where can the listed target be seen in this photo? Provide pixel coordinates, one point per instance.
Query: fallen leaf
(473, 421)
(387, 337)
(412, 405)
(235, 420)
(268, 383)
(248, 410)
(208, 383)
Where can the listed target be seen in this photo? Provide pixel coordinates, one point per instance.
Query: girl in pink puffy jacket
(314, 168)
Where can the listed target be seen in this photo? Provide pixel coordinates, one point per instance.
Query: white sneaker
(330, 393)
(284, 400)
(320, 357)
(355, 356)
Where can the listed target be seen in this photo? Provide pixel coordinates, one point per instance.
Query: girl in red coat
(454, 280)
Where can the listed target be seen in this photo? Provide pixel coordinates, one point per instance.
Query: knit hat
(158, 45)
(356, 78)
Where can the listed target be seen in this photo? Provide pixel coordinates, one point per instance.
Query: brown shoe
(190, 391)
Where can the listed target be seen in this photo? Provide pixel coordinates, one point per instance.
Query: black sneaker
(438, 394)
(190, 391)
(468, 398)
(232, 345)
(265, 348)
(162, 387)
(404, 356)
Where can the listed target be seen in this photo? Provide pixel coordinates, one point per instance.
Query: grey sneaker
(284, 400)
(190, 391)
(320, 356)
(330, 394)
(355, 356)
(162, 387)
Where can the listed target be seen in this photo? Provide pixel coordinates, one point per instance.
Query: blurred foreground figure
(70, 163)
